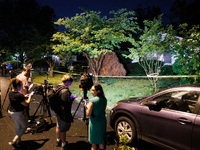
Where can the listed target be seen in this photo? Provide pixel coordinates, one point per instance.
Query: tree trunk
(96, 64)
(51, 64)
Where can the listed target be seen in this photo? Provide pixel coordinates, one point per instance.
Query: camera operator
(64, 117)
(24, 76)
(16, 110)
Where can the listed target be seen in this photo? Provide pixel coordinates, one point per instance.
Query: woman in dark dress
(17, 110)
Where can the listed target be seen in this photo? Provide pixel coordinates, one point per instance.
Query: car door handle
(184, 120)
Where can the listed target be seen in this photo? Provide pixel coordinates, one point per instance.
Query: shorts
(62, 125)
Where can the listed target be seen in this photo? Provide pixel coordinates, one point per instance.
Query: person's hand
(29, 88)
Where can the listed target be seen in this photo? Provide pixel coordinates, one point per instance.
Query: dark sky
(69, 8)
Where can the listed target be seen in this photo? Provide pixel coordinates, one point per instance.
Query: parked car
(170, 118)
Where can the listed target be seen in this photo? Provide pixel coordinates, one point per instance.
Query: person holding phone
(16, 110)
(64, 117)
(23, 77)
(97, 123)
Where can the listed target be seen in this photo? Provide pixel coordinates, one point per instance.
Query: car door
(168, 126)
(196, 131)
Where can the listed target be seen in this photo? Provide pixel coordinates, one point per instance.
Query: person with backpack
(64, 116)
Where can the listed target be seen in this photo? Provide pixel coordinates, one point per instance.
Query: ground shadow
(41, 126)
(32, 144)
(80, 145)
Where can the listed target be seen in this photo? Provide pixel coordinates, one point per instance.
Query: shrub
(167, 70)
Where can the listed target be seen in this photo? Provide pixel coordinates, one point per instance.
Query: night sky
(69, 8)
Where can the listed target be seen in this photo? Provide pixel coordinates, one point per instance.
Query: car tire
(124, 125)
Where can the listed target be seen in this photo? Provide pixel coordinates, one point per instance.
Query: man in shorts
(64, 117)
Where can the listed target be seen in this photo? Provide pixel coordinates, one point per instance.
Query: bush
(167, 70)
(137, 71)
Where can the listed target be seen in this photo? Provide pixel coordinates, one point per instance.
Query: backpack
(86, 81)
(53, 98)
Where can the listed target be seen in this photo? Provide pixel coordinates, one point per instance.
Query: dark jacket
(65, 104)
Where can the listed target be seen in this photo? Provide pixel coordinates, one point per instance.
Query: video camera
(85, 82)
(43, 88)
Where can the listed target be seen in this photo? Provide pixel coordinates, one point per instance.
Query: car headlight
(118, 103)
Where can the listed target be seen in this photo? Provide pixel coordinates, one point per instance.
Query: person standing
(26, 87)
(16, 110)
(9, 66)
(97, 121)
(30, 66)
(64, 117)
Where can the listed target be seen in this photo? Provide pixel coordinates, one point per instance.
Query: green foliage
(167, 70)
(122, 59)
(186, 51)
(137, 71)
(152, 43)
(124, 141)
(92, 35)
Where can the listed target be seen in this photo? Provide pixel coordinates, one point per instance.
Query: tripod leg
(32, 118)
(49, 112)
(77, 108)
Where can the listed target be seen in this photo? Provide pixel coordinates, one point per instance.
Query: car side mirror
(153, 105)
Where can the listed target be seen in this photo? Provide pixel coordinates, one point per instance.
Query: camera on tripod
(85, 82)
(41, 89)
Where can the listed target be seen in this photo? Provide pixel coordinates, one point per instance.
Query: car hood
(131, 99)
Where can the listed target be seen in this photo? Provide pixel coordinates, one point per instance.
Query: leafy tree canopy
(92, 35)
(152, 43)
(186, 50)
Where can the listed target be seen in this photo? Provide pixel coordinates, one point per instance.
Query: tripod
(84, 111)
(43, 103)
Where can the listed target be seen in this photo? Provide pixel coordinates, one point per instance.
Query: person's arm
(89, 109)
(27, 101)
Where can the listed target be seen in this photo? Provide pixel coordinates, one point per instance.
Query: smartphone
(32, 93)
(86, 101)
(31, 85)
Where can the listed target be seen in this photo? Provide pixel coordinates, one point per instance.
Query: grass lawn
(114, 89)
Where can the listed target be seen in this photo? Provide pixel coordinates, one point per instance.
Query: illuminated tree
(93, 36)
(186, 51)
(152, 43)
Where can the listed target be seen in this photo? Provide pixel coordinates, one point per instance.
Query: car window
(181, 101)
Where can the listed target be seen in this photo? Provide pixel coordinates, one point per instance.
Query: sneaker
(65, 147)
(28, 130)
(58, 143)
(13, 144)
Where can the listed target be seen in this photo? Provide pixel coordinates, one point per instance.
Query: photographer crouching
(64, 116)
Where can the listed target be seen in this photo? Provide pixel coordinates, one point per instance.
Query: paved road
(76, 136)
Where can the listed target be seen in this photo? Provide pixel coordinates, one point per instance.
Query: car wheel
(124, 126)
